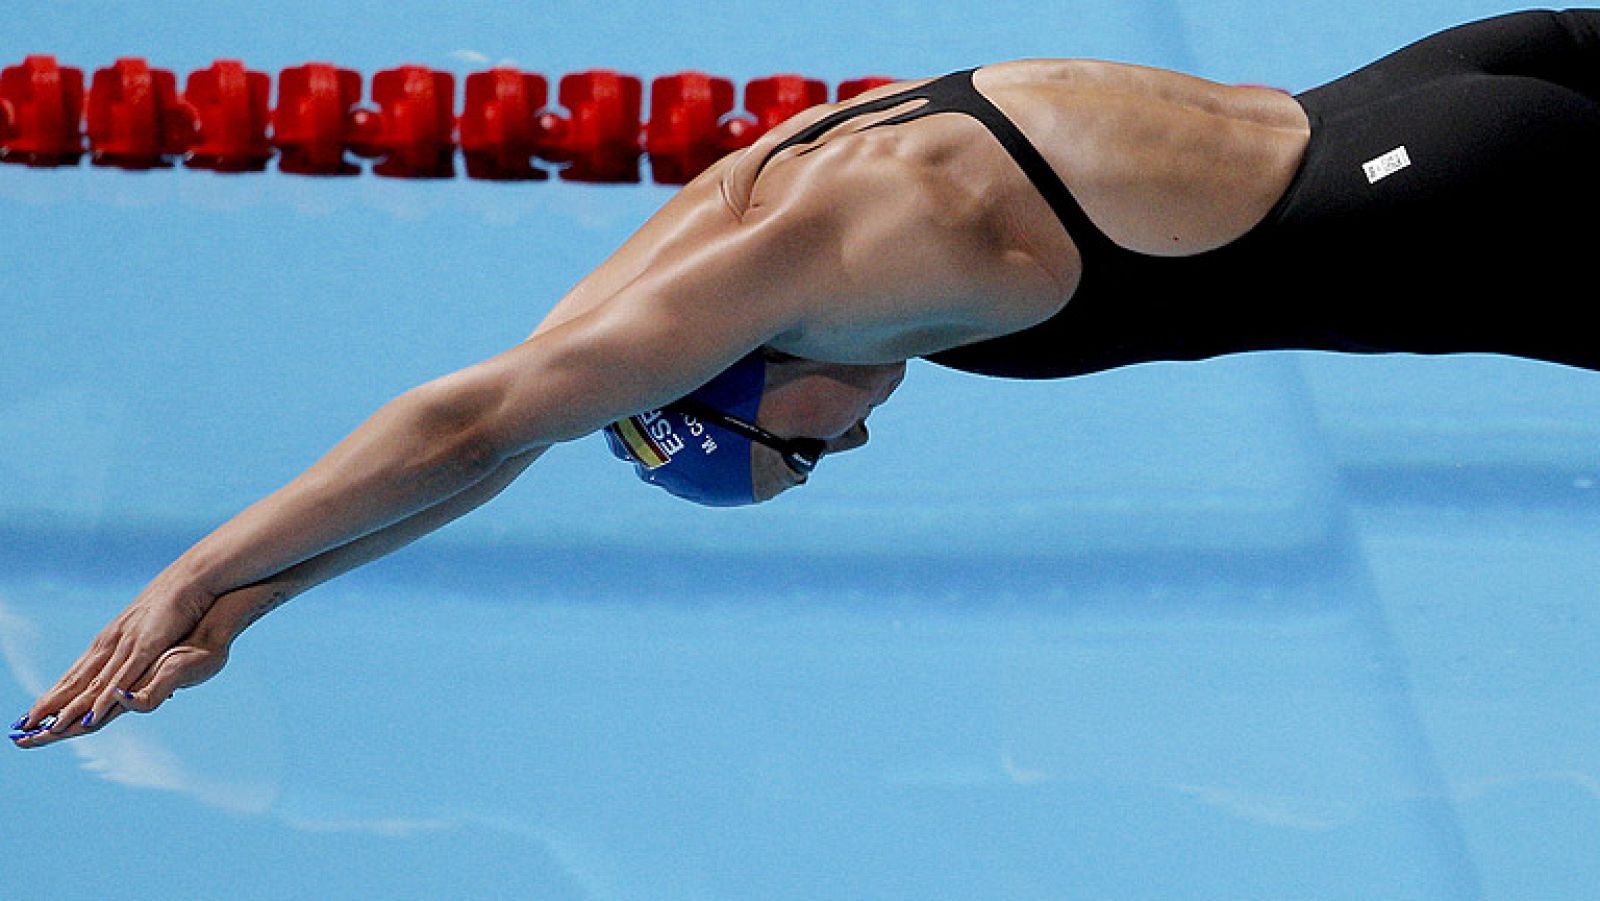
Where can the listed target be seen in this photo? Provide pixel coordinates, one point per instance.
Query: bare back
(1162, 163)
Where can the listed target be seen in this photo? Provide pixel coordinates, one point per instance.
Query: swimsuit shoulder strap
(956, 93)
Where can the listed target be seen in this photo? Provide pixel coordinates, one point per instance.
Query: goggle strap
(800, 454)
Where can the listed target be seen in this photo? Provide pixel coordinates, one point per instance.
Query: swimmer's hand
(162, 642)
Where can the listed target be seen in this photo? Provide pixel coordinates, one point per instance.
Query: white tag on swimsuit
(1386, 165)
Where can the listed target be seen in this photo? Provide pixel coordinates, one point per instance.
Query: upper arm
(707, 295)
(703, 210)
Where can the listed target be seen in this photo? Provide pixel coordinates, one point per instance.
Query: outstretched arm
(201, 653)
(711, 291)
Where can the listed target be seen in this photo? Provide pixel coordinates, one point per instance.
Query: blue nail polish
(88, 719)
(21, 722)
(126, 695)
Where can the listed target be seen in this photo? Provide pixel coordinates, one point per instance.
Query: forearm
(415, 453)
(236, 610)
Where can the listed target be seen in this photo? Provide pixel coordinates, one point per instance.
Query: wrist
(196, 570)
(237, 610)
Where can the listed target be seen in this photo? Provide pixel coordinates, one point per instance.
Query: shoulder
(908, 237)
(747, 165)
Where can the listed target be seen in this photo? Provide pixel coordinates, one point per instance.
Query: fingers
(126, 670)
(73, 721)
(83, 701)
(178, 668)
(145, 700)
(67, 702)
(135, 663)
(83, 675)
(118, 667)
(53, 728)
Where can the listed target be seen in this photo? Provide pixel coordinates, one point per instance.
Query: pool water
(1274, 626)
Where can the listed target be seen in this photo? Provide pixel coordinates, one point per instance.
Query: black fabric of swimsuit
(1445, 204)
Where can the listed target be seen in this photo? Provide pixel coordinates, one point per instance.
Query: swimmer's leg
(1439, 197)
(1562, 48)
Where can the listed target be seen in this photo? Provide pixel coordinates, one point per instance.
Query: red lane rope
(134, 117)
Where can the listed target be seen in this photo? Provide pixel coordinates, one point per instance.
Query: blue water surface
(1276, 626)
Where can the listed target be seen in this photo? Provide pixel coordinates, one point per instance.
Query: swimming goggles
(801, 454)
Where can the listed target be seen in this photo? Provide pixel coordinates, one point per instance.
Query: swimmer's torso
(1161, 164)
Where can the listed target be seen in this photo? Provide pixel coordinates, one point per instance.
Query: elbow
(475, 456)
(454, 429)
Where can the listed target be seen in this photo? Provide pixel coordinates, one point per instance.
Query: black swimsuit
(1433, 213)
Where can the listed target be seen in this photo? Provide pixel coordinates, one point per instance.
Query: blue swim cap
(698, 461)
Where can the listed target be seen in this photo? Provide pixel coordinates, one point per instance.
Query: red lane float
(41, 106)
(687, 133)
(499, 127)
(230, 103)
(772, 100)
(312, 123)
(135, 118)
(319, 121)
(413, 130)
(599, 139)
